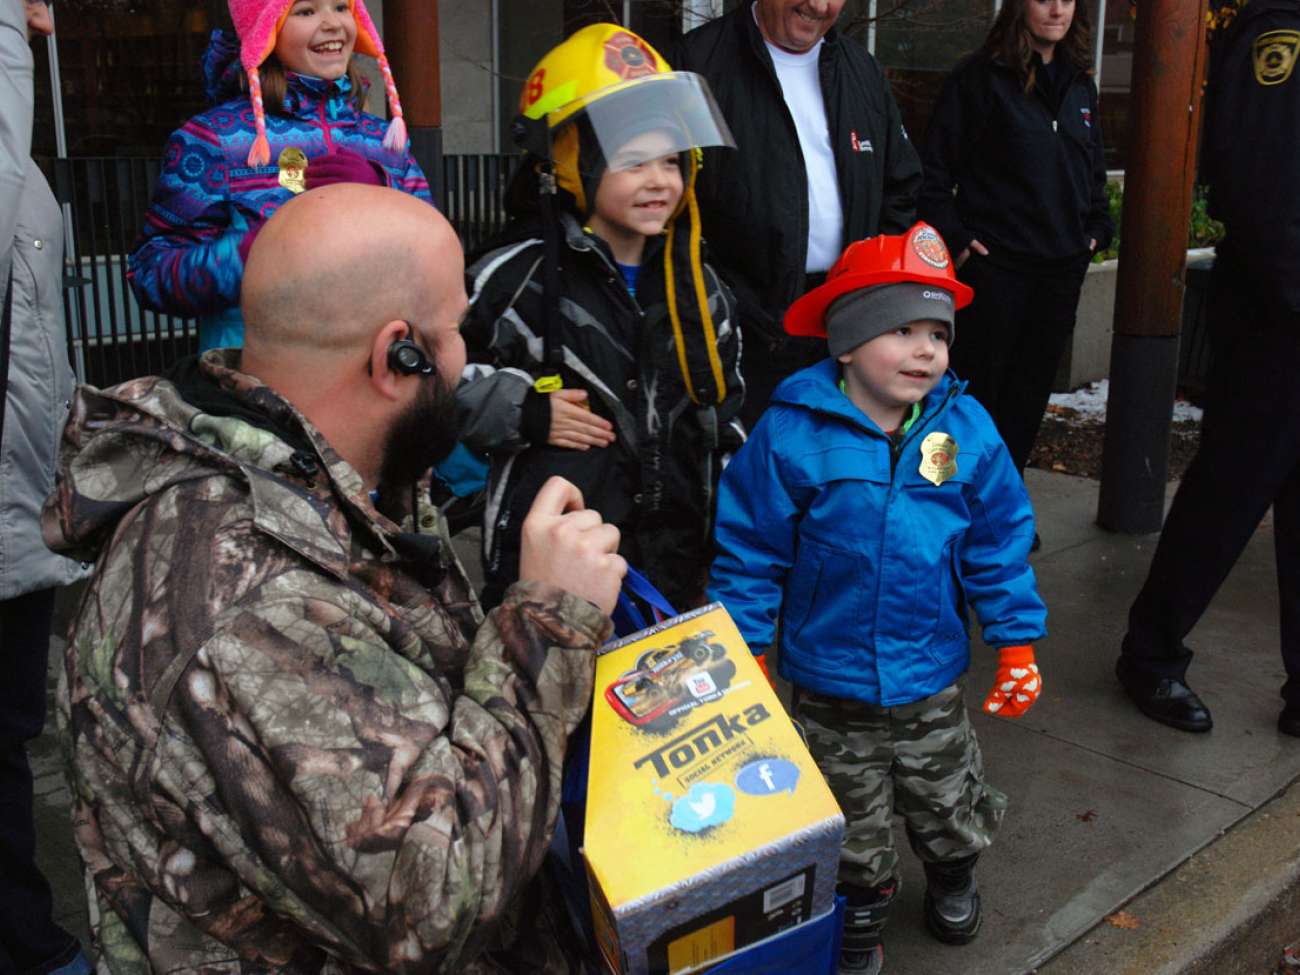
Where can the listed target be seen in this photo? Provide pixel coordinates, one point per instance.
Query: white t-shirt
(801, 86)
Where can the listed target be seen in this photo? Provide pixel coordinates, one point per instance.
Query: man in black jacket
(1249, 457)
(824, 160)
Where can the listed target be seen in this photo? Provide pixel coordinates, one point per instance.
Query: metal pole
(496, 76)
(71, 263)
(1098, 42)
(1168, 70)
(60, 128)
(411, 39)
(56, 89)
(871, 27)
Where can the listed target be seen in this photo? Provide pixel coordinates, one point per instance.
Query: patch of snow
(1090, 403)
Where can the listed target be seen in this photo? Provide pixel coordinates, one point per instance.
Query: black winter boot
(861, 952)
(952, 901)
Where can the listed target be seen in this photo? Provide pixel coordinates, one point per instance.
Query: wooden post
(411, 41)
(1168, 79)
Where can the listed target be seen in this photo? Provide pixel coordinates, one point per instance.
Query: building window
(130, 73)
(918, 42)
(1117, 80)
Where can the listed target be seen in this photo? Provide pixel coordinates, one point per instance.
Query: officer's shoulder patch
(1275, 55)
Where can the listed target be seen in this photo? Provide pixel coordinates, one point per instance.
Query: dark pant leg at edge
(30, 941)
(1286, 539)
(1250, 448)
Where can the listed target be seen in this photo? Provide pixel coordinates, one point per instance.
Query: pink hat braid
(369, 42)
(260, 153)
(395, 137)
(258, 23)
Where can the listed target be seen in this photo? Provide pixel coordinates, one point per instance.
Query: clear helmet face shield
(650, 117)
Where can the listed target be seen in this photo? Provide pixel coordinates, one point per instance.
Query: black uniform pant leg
(30, 941)
(1249, 458)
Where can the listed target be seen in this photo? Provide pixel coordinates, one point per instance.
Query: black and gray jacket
(657, 481)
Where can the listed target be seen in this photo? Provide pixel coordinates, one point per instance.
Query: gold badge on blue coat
(938, 458)
(293, 169)
(1275, 54)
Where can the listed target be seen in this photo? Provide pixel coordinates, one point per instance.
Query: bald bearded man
(297, 744)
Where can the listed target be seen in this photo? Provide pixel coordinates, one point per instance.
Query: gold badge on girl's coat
(293, 169)
(938, 458)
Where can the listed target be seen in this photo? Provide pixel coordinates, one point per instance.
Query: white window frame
(697, 12)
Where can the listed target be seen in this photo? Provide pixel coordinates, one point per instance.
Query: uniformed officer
(1249, 458)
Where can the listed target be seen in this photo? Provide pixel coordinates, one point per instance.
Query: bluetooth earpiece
(406, 357)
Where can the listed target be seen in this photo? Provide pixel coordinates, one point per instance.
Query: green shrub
(1202, 229)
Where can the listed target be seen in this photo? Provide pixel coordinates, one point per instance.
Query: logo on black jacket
(1275, 54)
(859, 145)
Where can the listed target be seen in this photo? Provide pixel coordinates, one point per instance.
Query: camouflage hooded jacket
(296, 745)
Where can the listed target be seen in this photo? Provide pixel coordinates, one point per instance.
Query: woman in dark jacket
(1017, 133)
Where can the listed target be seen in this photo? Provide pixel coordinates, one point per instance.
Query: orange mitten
(1017, 685)
(761, 659)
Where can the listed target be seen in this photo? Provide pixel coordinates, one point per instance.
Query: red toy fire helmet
(919, 256)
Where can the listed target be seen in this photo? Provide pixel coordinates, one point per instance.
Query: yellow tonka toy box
(708, 826)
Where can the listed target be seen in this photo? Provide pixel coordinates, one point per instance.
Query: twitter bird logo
(707, 804)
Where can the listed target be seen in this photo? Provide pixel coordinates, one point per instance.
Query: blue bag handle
(628, 619)
(627, 615)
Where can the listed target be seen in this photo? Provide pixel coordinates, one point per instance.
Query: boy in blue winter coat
(872, 504)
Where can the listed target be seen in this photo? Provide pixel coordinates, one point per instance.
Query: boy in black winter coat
(641, 408)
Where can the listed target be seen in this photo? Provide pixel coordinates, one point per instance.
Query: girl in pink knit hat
(287, 117)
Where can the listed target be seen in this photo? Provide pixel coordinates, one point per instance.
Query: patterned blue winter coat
(187, 260)
(870, 565)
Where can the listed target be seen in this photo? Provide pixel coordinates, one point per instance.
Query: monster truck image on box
(671, 680)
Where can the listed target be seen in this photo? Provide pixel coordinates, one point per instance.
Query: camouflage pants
(920, 760)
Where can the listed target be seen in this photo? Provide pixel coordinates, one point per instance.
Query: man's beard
(421, 436)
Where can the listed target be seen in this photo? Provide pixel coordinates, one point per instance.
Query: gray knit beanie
(860, 316)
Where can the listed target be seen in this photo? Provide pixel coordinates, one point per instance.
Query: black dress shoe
(1288, 722)
(1164, 699)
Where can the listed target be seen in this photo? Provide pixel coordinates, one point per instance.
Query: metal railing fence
(474, 193)
(110, 337)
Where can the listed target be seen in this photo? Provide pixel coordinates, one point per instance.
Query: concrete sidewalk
(1195, 836)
